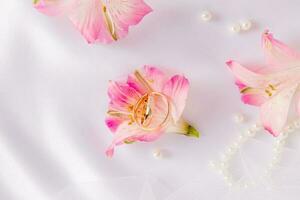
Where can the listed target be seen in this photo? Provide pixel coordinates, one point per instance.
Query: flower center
(151, 111)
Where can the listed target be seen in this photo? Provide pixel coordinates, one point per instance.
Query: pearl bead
(212, 164)
(236, 28)
(250, 133)
(297, 124)
(241, 139)
(229, 184)
(157, 154)
(236, 145)
(275, 161)
(246, 25)
(206, 15)
(230, 151)
(283, 136)
(277, 149)
(226, 177)
(289, 129)
(256, 127)
(224, 157)
(239, 118)
(221, 171)
(223, 165)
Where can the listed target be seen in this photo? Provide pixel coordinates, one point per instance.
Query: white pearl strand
(222, 166)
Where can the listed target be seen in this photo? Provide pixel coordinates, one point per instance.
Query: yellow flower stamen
(141, 79)
(109, 23)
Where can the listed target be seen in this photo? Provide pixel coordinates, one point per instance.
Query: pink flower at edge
(272, 88)
(102, 21)
(147, 105)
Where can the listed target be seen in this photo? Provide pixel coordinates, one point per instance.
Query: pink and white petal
(155, 77)
(148, 137)
(55, 7)
(125, 13)
(133, 82)
(113, 123)
(131, 133)
(152, 75)
(255, 99)
(284, 77)
(239, 84)
(88, 19)
(277, 54)
(122, 95)
(274, 113)
(246, 76)
(177, 90)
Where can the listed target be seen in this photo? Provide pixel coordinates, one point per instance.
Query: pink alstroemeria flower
(273, 87)
(97, 20)
(145, 106)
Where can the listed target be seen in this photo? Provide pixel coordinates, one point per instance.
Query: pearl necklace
(222, 165)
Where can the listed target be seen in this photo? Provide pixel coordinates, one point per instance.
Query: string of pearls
(222, 166)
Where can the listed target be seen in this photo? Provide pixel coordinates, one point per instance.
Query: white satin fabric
(53, 102)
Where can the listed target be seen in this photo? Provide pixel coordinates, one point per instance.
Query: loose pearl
(246, 25)
(206, 15)
(236, 28)
(239, 118)
(157, 154)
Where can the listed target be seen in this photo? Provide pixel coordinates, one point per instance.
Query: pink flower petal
(131, 133)
(245, 76)
(88, 19)
(155, 77)
(122, 96)
(278, 55)
(177, 90)
(52, 8)
(96, 21)
(113, 123)
(255, 99)
(274, 112)
(152, 75)
(126, 13)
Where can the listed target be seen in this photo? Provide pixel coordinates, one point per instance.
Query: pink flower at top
(273, 87)
(102, 21)
(147, 105)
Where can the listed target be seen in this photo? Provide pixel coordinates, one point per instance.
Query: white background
(53, 102)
